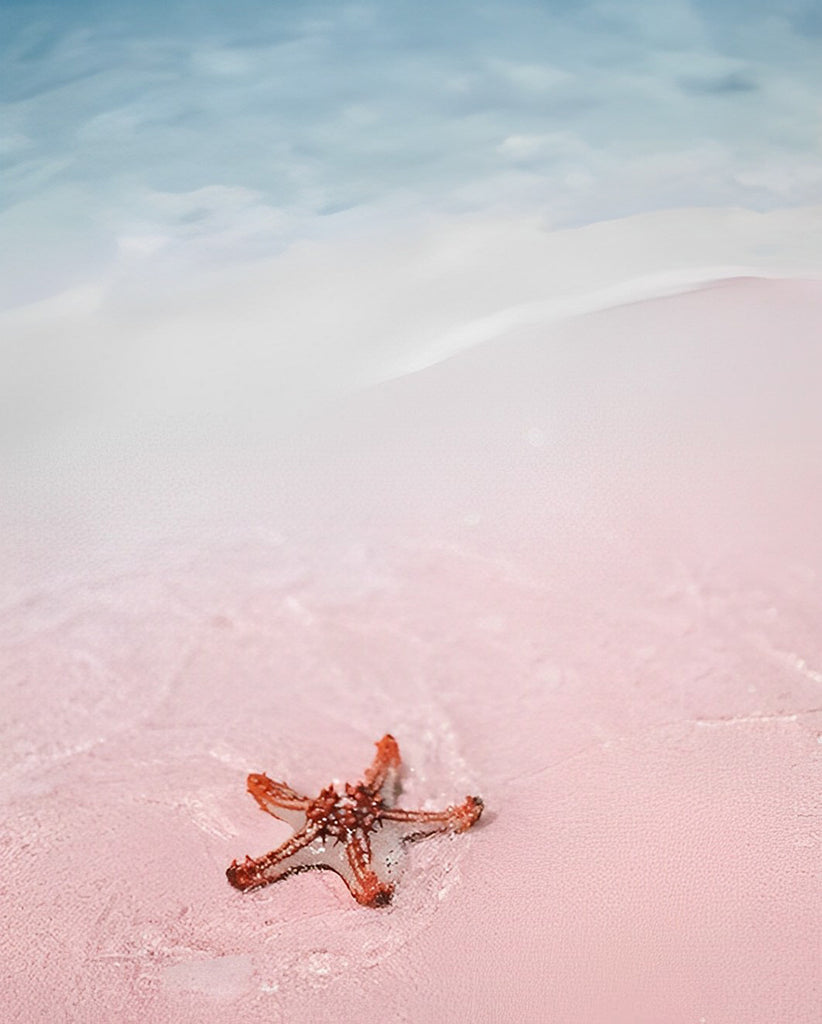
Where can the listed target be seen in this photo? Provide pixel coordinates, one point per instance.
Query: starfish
(353, 833)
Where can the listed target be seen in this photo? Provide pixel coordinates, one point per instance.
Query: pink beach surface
(576, 568)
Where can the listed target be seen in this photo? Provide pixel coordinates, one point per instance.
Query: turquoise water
(204, 133)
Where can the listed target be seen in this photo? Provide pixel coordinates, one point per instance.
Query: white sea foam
(529, 314)
(210, 355)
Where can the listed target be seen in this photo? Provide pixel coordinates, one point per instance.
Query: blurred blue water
(212, 132)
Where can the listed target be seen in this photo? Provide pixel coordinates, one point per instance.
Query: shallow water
(164, 137)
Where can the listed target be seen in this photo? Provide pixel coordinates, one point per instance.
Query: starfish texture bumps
(354, 833)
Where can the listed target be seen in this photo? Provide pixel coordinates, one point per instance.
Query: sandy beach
(572, 565)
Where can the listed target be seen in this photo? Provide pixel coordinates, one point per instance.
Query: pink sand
(577, 571)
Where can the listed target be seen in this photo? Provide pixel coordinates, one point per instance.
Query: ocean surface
(156, 140)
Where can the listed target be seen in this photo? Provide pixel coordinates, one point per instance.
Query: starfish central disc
(341, 816)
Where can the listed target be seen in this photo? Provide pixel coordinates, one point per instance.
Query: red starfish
(345, 832)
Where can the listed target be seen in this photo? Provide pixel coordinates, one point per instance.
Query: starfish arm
(453, 819)
(254, 873)
(383, 773)
(365, 884)
(278, 799)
